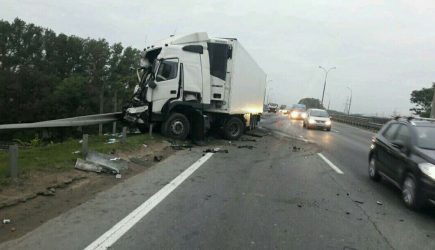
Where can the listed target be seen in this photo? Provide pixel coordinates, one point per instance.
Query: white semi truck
(192, 83)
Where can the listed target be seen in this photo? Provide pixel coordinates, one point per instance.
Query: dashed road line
(335, 168)
(119, 229)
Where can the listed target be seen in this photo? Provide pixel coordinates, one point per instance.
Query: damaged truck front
(190, 84)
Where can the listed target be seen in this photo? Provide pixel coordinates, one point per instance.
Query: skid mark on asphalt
(106, 240)
(335, 168)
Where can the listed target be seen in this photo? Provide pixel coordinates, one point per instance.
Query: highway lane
(279, 195)
(348, 147)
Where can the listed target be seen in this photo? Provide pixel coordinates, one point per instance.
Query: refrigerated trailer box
(193, 79)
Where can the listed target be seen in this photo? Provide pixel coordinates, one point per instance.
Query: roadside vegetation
(54, 157)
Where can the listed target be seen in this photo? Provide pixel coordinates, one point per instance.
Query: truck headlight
(427, 169)
(294, 114)
(311, 121)
(328, 123)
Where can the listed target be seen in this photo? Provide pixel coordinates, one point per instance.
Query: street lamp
(326, 76)
(350, 100)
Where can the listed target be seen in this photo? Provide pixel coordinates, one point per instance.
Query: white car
(317, 118)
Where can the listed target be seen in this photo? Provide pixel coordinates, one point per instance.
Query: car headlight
(428, 169)
(294, 114)
(304, 115)
(311, 120)
(328, 122)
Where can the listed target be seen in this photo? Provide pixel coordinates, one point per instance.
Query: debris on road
(347, 212)
(401, 220)
(6, 221)
(118, 176)
(215, 150)
(81, 141)
(76, 152)
(359, 202)
(246, 146)
(299, 205)
(145, 146)
(254, 135)
(158, 158)
(296, 149)
(181, 147)
(13, 229)
(379, 203)
(246, 139)
(115, 159)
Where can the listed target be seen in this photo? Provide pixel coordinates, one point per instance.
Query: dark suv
(403, 152)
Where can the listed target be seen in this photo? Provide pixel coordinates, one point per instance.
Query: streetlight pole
(326, 76)
(350, 100)
(432, 111)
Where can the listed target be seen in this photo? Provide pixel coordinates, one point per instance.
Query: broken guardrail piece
(88, 166)
(111, 164)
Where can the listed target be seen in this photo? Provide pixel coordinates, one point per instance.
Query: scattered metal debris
(145, 146)
(246, 146)
(359, 202)
(296, 149)
(115, 159)
(347, 212)
(76, 152)
(181, 147)
(379, 203)
(216, 150)
(299, 205)
(6, 221)
(118, 176)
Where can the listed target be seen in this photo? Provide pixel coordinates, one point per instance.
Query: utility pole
(432, 110)
(326, 76)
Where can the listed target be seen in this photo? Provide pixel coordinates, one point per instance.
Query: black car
(403, 152)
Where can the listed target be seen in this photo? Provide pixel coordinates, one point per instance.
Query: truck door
(167, 83)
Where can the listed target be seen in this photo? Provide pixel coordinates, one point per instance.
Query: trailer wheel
(176, 126)
(233, 128)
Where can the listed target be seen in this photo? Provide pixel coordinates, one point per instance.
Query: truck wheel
(233, 128)
(176, 126)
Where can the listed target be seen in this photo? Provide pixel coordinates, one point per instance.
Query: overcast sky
(382, 49)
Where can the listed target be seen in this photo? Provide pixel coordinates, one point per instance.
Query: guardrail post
(13, 161)
(151, 130)
(124, 135)
(85, 146)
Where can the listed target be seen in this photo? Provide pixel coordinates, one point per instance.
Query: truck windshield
(426, 137)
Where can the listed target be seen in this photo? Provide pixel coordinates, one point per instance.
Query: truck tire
(177, 126)
(233, 128)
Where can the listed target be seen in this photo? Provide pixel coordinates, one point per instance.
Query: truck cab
(190, 75)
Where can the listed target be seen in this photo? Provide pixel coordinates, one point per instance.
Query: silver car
(317, 118)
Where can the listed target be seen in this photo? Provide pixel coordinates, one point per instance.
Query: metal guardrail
(86, 120)
(373, 123)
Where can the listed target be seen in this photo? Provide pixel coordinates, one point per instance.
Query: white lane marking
(119, 229)
(336, 169)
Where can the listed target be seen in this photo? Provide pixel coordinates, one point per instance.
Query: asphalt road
(281, 194)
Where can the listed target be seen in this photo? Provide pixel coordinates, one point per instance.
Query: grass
(60, 156)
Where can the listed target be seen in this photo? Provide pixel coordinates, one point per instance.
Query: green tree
(311, 103)
(422, 99)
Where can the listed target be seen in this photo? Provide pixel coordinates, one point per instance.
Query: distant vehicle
(317, 118)
(403, 152)
(272, 107)
(282, 109)
(298, 112)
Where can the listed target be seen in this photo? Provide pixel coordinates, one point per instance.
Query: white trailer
(191, 83)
